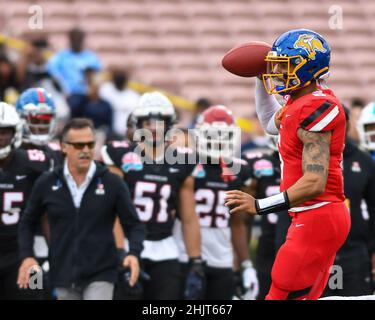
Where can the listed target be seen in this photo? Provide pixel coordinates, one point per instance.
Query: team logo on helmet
(310, 44)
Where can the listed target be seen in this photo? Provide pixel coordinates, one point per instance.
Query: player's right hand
(249, 281)
(28, 266)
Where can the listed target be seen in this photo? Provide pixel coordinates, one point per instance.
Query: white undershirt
(75, 191)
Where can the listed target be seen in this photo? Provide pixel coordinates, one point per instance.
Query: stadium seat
(179, 44)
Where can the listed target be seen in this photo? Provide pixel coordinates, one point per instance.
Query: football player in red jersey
(311, 127)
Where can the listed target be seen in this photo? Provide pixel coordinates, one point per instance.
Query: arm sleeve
(370, 201)
(134, 229)
(30, 220)
(266, 107)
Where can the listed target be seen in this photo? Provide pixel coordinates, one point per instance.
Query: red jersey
(319, 111)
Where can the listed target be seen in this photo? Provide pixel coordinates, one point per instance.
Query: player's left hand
(132, 263)
(195, 280)
(239, 201)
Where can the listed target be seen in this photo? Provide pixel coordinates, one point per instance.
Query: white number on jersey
(145, 204)
(36, 155)
(207, 211)
(11, 215)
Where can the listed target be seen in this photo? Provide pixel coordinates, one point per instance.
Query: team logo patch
(263, 168)
(310, 44)
(199, 172)
(131, 162)
(100, 189)
(356, 167)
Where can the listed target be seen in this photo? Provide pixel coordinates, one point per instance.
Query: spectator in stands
(32, 72)
(356, 107)
(95, 108)
(68, 68)
(31, 66)
(122, 99)
(200, 105)
(8, 81)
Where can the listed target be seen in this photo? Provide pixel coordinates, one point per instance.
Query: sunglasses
(81, 145)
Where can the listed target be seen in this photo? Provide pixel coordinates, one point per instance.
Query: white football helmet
(217, 133)
(9, 118)
(366, 127)
(153, 105)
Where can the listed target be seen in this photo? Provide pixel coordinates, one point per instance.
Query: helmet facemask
(153, 129)
(282, 74)
(368, 139)
(14, 143)
(216, 141)
(39, 128)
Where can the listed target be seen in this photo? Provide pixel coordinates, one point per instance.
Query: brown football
(247, 60)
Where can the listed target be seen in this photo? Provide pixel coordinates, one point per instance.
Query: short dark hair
(357, 103)
(76, 123)
(347, 112)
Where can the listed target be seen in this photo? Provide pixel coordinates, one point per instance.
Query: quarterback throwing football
(311, 128)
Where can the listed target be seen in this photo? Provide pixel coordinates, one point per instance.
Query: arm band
(276, 203)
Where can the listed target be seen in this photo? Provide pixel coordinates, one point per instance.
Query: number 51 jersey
(154, 187)
(16, 181)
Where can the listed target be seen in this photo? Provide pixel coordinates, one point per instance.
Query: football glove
(195, 280)
(249, 281)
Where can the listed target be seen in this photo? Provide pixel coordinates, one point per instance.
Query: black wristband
(195, 260)
(273, 204)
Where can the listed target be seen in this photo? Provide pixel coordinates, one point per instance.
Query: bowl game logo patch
(263, 168)
(131, 162)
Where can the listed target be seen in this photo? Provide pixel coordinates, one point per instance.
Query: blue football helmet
(37, 109)
(297, 57)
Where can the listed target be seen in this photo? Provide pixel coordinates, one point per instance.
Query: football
(247, 60)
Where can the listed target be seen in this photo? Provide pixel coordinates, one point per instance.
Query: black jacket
(82, 247)
(359, 187)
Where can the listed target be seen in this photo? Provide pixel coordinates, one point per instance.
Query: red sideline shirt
(319, 111)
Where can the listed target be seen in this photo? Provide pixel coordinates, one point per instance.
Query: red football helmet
(217, 133)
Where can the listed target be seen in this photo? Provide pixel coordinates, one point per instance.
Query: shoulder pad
(54, 146)
(253, 154)
(120, 144)
(185, 150)
(241, 161)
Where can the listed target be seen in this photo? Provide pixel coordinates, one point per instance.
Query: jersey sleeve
(112, 153)
(186, 158)
(38, 161)
(246, 174)
(258, 165)
(321, 115)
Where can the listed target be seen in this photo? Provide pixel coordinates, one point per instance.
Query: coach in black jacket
(81, 201)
